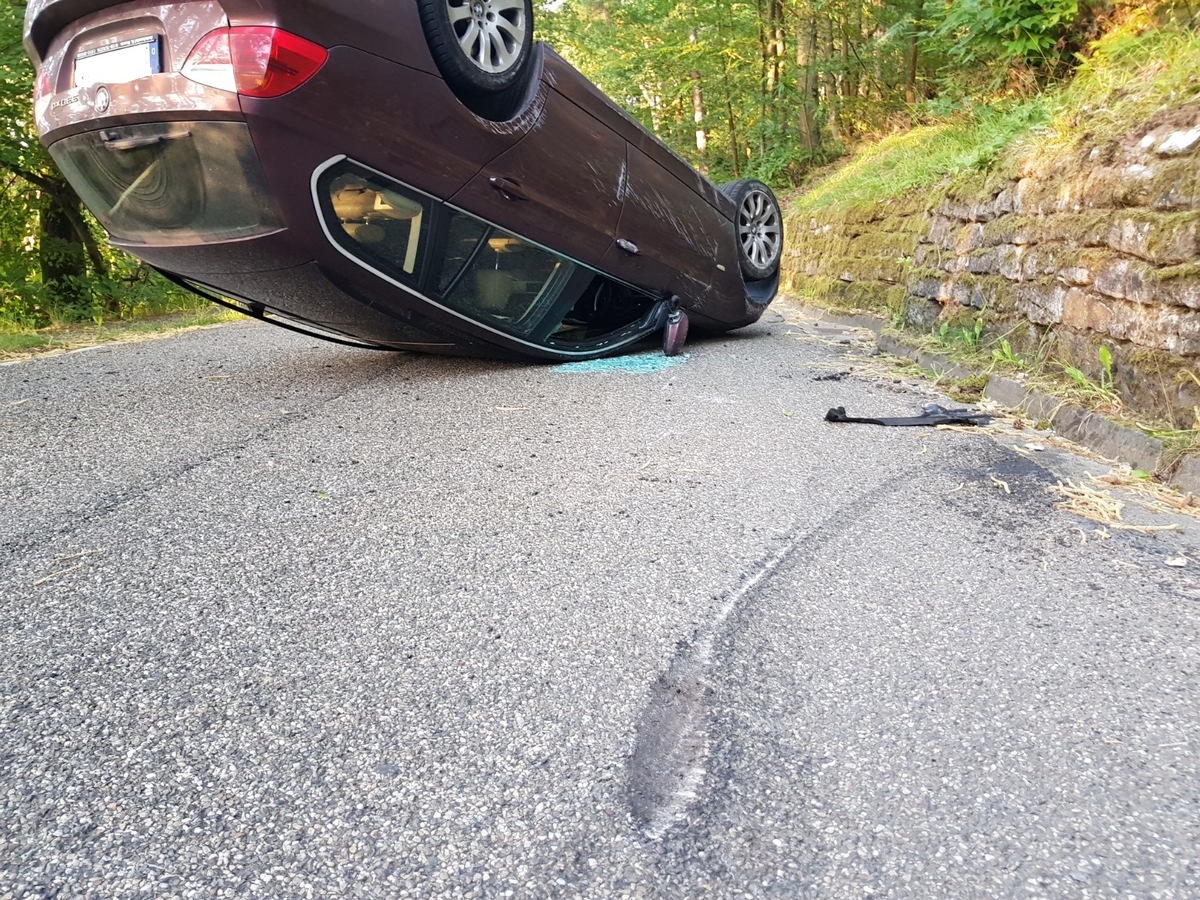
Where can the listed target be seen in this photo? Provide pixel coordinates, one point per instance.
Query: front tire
(759, 226)
(484, 50)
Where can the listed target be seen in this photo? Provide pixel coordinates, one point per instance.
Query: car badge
(103, 99)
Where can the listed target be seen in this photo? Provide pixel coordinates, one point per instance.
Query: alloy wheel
(490, 33)
(759, 229)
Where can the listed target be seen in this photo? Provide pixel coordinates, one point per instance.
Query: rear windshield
(170, 183)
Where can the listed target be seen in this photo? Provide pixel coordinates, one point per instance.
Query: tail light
(254, 61)
(42, 89)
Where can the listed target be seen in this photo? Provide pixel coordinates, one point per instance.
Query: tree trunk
(55, 188)
(60, 252)
(779, 46)
(851, 38)
(731, 122)
(831, 82)
(698, 106)
(910, 69)
(806, 83)
(765, 85)
(65, 243)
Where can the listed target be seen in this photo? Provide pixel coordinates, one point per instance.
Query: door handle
(509, 189)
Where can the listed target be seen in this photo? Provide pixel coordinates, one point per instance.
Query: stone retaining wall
(1057, 256)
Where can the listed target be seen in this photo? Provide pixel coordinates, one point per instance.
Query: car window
(508, 282)
(464, 235)
(604, 308)
(176, 183)
(475, 268)
(378, 221)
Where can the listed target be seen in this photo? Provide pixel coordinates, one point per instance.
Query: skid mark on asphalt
(672, 746)
(671, 751)
(106, 505)
(671, 754)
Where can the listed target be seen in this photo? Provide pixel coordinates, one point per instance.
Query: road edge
(1098, 433)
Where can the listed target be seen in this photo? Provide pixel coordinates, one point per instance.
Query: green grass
(18, 342)
(130, 293)
(925, 157)
(1131, 73)
(1128, 76)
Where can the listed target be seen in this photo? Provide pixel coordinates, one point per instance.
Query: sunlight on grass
(16, 342)
(924, 157)
(23, 342)
(1132, 72)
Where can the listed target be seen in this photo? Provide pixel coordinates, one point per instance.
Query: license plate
(119, 63)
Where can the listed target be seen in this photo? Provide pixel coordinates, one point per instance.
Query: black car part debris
(930, 415)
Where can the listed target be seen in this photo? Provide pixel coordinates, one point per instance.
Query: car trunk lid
(120, 61)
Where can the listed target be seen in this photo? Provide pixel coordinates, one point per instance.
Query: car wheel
(483, 48)
(759, 225)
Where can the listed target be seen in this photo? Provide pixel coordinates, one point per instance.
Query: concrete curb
(1109, 439)
(937, 363)
(1086, 428)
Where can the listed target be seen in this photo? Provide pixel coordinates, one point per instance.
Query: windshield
(175, 183)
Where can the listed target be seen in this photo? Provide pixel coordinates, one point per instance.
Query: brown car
(408, 174)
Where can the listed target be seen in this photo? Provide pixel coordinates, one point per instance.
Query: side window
(463, 237)
(508, 282)
(604, 309)
(376, 220)
(462, 263)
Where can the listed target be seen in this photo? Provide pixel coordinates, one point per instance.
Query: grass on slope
(1132, 72)
(1136, 69)
(918, 159)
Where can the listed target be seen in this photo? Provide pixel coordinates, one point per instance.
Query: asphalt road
(283, 619)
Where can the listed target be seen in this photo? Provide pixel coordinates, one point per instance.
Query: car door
(560, 186)
(670, 238)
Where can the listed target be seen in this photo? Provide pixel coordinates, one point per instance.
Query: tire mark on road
(106, 505)
(670, 756)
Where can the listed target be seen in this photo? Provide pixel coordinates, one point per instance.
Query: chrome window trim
(333, 161)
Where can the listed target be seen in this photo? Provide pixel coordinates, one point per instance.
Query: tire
(484, 50)
(758, 223)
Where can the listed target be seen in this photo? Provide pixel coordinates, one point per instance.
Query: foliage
(1149, 60)
(18, 154)
(968, 336)
(1089, 389)
(924, 157)
(55, 265)
(773, 89)
(1012, 31)
(736, 87)
(1004, 354)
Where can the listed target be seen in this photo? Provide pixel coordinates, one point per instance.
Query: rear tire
(758, 224)
(484, 50)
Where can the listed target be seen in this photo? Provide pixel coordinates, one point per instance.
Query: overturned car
(408, 174)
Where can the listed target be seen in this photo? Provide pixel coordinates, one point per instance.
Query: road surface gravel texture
(284, 619)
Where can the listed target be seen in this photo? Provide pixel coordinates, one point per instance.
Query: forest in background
(772, 89)
(55, 265)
